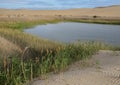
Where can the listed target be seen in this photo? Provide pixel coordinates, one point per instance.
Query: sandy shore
(111, 12)
(105, 71)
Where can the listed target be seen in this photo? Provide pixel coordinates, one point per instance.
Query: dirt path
(106, 71)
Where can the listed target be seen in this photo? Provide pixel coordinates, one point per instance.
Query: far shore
(110, 13)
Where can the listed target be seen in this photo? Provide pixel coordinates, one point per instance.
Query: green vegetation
(38, 56)
(22, 24)
(97, 21)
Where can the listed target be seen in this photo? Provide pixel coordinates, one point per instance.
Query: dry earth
(106, 71)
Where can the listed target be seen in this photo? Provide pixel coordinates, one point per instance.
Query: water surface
(71, 31)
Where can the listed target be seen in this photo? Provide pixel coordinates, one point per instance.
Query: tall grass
(16, 71)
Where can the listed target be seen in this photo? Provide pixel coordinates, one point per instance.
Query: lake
(72, 31)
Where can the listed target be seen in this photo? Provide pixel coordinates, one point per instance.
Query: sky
(55, 4)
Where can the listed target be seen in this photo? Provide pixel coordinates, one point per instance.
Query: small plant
(97, 62)
(94, 16)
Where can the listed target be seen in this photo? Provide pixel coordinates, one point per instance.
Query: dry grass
(7, 48)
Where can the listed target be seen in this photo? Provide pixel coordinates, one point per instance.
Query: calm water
(70, 31)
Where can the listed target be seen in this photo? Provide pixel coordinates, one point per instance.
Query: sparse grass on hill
(23, 40)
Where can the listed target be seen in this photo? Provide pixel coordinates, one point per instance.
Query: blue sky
(55, 4)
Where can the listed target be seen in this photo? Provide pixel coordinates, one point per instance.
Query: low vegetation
(38, 56)
(97, 21)
(22, 24)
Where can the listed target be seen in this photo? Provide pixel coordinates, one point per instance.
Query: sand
(106, 71)
(110, 12)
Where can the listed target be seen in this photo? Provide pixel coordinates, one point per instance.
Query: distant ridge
(108, 6)
(63, 9)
